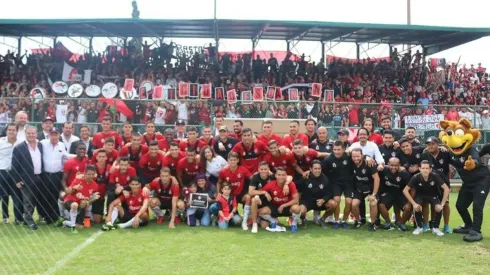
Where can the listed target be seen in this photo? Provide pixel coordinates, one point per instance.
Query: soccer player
(304, 158)
(172, 158)
(132, 211)
(167, 192)
(151, 133)
(107, 132)
(119, 179)
(192, 141)
(151, 163)
(317, 194)
(387, 149)
(79, 195)
(206, 136)
(410, 135)
(338, 167)
(164, 144)
(267, 133)
(439, 161)
(188, 168)
(237, 130)
(127, 132)
(310, 125)
(427, 185)
(227, 205)
(134, 150)
(112, 153)
(366, 185)
(294, 134)
(279, 204)
(322, 144)
(251, 152)
(276, 159)
(410, 157)
(74, 166)
(102, 170)
(236, 175)
(224, 143)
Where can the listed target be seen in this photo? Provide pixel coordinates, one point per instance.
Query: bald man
(21, 120)
(322, 144)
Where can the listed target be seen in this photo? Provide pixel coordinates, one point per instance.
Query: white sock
(295, 218)
(158, 212)
(68, 223)
(73, 216)
(114, 215)
(246, 214)
(316, 215)
(268, 218)
(127, 224)
(61, 208)
(66, 214)
(89, 214)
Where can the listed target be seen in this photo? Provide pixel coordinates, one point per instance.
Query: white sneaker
(280, 228)
(437, 232)
(330, 219)
(255, 228)
(418, 231)
(6, 221)
(244, 226)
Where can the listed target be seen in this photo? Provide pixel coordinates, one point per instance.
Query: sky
(423, 12)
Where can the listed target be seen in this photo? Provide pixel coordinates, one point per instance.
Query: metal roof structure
(432, 38)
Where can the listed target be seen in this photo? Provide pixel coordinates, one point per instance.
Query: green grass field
(184, 250)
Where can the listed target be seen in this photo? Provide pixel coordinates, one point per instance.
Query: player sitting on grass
(131, 210)
(81, 193)
(227, 205)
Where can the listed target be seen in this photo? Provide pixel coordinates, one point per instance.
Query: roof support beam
(109, 34)
(216, 32)
(258, 35)
(341, 36)
(301, 34)
(382, 37)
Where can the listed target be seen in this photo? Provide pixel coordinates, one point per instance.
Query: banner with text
(422, 123)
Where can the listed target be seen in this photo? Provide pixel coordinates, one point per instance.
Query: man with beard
(237, 130)
(268, 134)
(310, 125)
(294, 134)
(386, 125)
(134, 150)
(250, 151)
(410, 136)
(107, 132)
(224, 143)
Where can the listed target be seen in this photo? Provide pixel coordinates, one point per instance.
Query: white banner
(61, 112)
(422, 123)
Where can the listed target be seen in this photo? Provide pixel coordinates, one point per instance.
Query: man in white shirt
(48, 124)
(21, 120)
(67, 137)
(54, 156)
(368, 148)
(7, 184)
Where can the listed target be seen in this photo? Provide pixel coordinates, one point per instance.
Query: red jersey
(87, 190)
(151, 165)
(287, 141)
(126, 139)
(235, 178)
(146, 138)
(304, 162)
(134, 202)
(73, 167)
(278, 197)
(197, 145)
(227, 205)
(100, 138)
(164, 145)
(251, 156)
(164, 192)
(285, 161)
(171, 162)
(133, 154)
(102, 178)
(111, 156)
(189, 170)
(209, 142)
(266, 140)
(117, 177)
(376, 138)
(236, 136)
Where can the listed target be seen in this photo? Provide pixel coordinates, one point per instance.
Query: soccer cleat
(74, 230)
(272, 227)
(6, 221)
(160, 220)
(42, 220)
(304, 222)
(473, 236)
(388, 226)
(18, 222)
(244, 226)
(377, 222)
(336, 225)
(425, 227)
(372, 227)
(280, 228)
(357, 225)
(177, 220)
(118, 226)
(255, 228)
(462, 230)
(402, 227)
(214, 221)
(330, 219)
(437, 232)
(33, 227)
(344, 225)
(59, 222)
(418, 231)
(323, 223)
(294, 228)
(447, 229)
(107, 227)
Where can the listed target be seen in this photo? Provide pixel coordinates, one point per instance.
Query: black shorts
(431, 200)
(98, 207)
(356, 194)
(311, 205)
(391, 199)
(286, 211)
(264, 201)
(165, 204)
(81, 212)
(239, 198)
(339, 189)
(127, 215)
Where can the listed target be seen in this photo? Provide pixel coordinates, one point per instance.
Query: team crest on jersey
(441, 161)
(198, 197)
(393, 154)
(284, 161)
(227, 178)
(308, 159)
(363, 171)
(77, 168)
(398, 179)
(310, 185)
(229, 145)
(239, 175)
(260, 185)
(275, 193)
(420, 184)
(317, 147)
(127, 178)
(172, 164)
(431, 183)
(334, 165)
(158, 162)
(355, 172)
(417, 156)
(131, 202)
(273, 164)
(139, 199)
(321, 186)
(117, 179)
(102, 141)
(256, 151)
(461, 159)
(344, 162)
(328, 147)
(244, 153)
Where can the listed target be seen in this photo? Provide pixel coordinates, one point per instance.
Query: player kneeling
(279, 204)
(317, 194)
(131, 210)
(81, 193)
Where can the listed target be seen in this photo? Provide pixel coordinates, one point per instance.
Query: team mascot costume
(460, 138)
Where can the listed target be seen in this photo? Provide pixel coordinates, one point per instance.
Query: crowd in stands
(408, 84)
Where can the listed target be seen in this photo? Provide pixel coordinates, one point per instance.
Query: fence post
(211, 113)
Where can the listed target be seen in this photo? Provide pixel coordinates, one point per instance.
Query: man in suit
(84, 138)
(48, 124)
(26, 171)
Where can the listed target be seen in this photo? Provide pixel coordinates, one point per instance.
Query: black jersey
(474, 176)
(228, 144)
(338, 170)
(439, 163)
(394, 182)
(363, 177)
(413, 159)
(325, 147)
(258, 182)
(432, 187)
(316, 188)
(388, 152)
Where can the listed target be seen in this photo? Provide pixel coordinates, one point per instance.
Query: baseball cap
(222, 128)
(54, 130)
(48, 118)
(180, 122)
(432, 140)
(343, 132)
